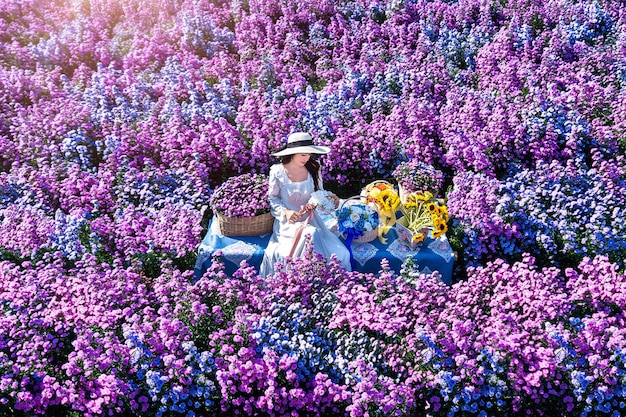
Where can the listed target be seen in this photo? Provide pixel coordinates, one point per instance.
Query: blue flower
(356, 219)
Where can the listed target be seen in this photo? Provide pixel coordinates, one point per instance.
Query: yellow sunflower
(443, 213)
(425, 196)
(433, 208)
(388, 200)
(418, 237)
(440, 228)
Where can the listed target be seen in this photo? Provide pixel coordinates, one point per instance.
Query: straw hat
(301, 142)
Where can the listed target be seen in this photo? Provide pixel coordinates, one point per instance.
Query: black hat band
(299, 143)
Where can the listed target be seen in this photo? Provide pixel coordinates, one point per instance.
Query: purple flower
(243, 195)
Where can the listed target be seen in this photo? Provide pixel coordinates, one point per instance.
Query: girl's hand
(335, 199)
(306, 208)
(292, 216)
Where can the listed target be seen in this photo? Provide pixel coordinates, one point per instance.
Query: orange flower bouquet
(384, 196)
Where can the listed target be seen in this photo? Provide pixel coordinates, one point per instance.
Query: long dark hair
(311, 165)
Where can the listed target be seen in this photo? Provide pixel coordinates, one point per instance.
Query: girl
(291, 183)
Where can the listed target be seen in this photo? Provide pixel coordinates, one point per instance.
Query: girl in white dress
(291, 184)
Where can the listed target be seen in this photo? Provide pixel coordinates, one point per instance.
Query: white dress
(283, 193)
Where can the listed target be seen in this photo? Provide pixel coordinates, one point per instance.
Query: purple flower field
(119, 118)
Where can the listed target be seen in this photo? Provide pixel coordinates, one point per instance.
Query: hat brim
(320, 150)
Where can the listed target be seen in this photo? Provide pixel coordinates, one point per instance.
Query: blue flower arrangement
(356, 219)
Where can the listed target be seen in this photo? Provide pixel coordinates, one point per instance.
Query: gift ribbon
(298, 233)
(351, 234)
(387, 220)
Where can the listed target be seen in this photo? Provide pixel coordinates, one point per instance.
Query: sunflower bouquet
(422, 214)
(384, 196)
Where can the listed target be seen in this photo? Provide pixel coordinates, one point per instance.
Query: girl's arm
(277, 207)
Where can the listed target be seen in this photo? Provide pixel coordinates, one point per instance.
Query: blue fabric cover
(432, 255)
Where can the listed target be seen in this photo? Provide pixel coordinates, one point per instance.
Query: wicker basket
(245, 226)
(369, 235)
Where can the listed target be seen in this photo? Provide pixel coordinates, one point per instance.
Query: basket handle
(375, 183)
(354, 197)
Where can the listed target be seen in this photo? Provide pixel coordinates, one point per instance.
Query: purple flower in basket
(416, 176)
(241, 196)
